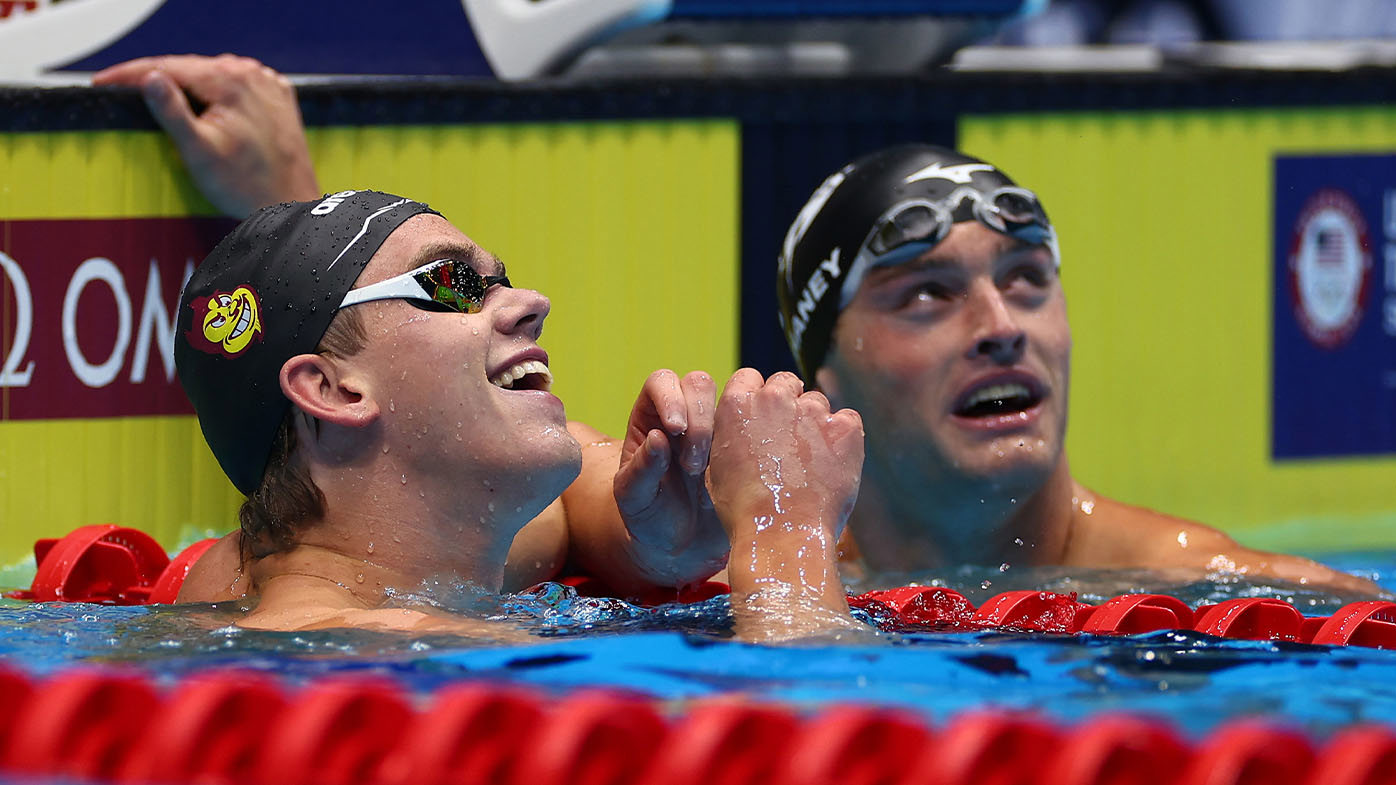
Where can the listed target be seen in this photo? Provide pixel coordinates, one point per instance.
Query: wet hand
(247, 148)
(659, 487)
(783, 477)
(779, 453)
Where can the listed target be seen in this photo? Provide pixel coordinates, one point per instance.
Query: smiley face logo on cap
(226, 323)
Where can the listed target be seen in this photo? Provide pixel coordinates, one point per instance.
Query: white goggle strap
(399, 287)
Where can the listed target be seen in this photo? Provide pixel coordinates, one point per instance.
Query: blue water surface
(679, 653)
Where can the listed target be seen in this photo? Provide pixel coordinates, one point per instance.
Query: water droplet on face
(392, 407)
(359, 578)
(490, 506)
(1016, 540)
(370, 547)
(1004, 567)
(404, 479)
(385, 449)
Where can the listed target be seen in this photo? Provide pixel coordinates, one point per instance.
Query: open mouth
(996, 400)
(527, 375)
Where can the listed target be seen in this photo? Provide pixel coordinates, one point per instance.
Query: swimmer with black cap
(370, 378)
(921, 287)
(639, 520)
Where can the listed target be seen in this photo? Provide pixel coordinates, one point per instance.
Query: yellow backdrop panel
(1165, 224)
(630, 227)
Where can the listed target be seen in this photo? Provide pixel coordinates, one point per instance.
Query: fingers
(637, 480)
(785, 383)
(184, 69)
(129, 73)
(744, 382)
(660, 404)
(845, 435)
(208, 78)
(171, 108)
(699, 394)
(683, 409)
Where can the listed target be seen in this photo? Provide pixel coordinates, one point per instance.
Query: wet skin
(959, 363)
(427, 468)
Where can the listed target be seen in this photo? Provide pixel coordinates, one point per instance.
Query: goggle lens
(918, 223)
(449, 285)
(1017, 208)
(456, 286)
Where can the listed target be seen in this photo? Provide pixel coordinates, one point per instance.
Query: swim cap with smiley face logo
(226, 323)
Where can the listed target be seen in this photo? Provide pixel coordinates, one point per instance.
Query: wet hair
(287, 499)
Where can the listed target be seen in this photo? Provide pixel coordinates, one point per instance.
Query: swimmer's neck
(362, 572)
(379, 537)
(898, 532)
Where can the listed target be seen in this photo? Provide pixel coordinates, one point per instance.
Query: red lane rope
(234, 727)
(115, 565)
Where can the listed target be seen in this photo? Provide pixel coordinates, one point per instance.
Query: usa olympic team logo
(1330, 265)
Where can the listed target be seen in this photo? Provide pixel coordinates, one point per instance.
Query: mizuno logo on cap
(958, 173)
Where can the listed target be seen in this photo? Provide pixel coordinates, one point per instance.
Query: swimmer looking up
(638, 519)
(921, 287)
(370, 378)
(248, 149)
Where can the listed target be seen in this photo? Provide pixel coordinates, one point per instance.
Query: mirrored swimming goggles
(913, 227)
(443, 285)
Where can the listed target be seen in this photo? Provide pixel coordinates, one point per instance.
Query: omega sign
(87, 316)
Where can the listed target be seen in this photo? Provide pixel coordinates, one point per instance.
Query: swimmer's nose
(997, 334)
(521, 312)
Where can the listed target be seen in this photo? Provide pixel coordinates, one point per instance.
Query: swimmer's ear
(828, 384)
(324, 390)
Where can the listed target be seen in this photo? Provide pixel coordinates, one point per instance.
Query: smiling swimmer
(394, 425)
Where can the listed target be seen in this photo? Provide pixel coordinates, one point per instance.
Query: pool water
(677, 653)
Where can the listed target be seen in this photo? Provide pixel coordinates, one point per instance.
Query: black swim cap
(267, 293)
(858, 213)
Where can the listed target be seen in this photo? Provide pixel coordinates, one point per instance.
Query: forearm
(785, 579)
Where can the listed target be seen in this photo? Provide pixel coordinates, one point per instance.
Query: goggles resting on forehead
(445, 285)
(912, 227)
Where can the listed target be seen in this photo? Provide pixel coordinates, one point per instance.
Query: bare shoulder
(1110, 533)
(411, 621)
(586, 435)
(218, 575)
